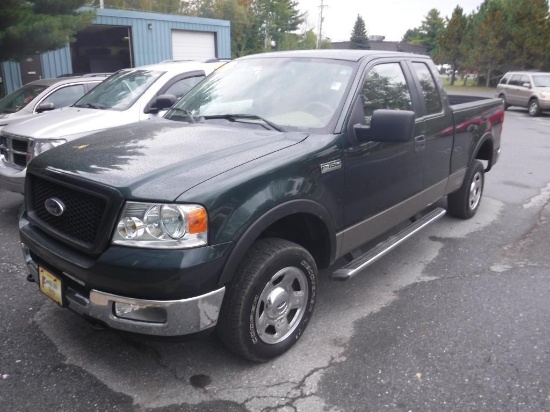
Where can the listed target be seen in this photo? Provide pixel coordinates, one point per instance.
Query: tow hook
(30, 278)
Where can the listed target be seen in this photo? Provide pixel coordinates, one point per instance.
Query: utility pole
(319, 37)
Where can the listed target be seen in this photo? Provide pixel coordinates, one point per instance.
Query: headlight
(40, 146)
(162, 226)
(544, 95)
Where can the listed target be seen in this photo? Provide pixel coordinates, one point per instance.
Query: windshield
(120, 91)
(287, 93)
(541, 80)
(15, 101)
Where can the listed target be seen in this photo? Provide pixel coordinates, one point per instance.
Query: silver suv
(526, 89)
(44, 95)
(128, 96)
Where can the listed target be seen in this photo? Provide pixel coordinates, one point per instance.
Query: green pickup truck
(219, 215)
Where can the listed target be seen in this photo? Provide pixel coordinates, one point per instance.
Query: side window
(65, 96)
(524, 79)
(182, 87)
(515, 80)
(429, 88)
(385, 87)
(504, 80)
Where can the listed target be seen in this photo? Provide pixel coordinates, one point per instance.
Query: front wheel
(270, 302)
(534, 108)
(506, 105)
(465, 201)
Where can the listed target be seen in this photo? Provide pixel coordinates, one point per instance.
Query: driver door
(381, 175)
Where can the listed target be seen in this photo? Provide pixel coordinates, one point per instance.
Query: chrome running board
(371, 256)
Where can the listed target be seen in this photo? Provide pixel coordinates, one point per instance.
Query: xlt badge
(330, 166)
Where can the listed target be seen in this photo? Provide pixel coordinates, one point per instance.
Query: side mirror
(387, 126)
(528, 85)
(44, 107)
(162, 102)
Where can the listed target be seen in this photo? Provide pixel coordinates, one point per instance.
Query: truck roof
(337, 54)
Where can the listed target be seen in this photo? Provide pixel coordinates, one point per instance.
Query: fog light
(150, 314)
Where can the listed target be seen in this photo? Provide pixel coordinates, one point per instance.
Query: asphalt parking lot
(454, 320)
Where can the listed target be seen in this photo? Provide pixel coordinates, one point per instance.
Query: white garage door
(193, 45)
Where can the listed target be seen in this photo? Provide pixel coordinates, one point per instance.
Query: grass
(460, 87)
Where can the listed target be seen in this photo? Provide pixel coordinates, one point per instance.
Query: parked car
(221, 213)
(45, 95)
(128, 96)
(526, 89)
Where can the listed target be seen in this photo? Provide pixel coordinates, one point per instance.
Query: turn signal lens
(197, 221)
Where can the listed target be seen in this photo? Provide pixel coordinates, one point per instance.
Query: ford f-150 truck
(220, 215)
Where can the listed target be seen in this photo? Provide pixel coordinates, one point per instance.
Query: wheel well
(306, 230)
(486, 153)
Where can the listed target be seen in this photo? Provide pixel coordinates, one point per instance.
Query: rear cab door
(436, 115)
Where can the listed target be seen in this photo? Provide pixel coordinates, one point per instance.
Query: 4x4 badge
(330, 166)
(54, 206)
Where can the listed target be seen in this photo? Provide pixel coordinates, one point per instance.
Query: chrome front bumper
(180, 317)
(12, 179)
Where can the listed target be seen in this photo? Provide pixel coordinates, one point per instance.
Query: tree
(488, 39)
(427, 33)
(34, 26)
(412, 36)
(529, 29)
(431, 26)
(359, 39)
(450, 41)
(277, 18)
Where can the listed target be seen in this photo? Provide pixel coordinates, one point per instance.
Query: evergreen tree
(427, 33)
(450, 41)
(359, 39)
(31, 26)
(431, 26)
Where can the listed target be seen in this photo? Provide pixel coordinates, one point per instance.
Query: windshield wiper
(240, 117)
(91, 106)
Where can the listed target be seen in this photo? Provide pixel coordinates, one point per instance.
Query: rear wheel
(270, 302)
(465, 201)
(534, 108)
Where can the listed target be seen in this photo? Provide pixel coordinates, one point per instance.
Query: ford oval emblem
(54, 206)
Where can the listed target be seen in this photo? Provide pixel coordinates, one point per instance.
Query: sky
(389, 18)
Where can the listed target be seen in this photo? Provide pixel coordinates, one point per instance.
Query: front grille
(20, 159)
(13, 150)
(83, 215)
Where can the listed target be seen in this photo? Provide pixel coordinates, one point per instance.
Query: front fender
(251, 234)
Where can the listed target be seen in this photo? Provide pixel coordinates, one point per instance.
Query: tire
(465, 202)
(506, 105)
(534, 108)
(270, 301)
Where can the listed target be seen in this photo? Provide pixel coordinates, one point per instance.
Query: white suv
(526, 89)
(128, 96)
(44, 95)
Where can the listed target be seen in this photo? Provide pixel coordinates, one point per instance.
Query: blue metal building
(121, 38)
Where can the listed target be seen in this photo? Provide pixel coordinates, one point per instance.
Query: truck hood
(63, 123)
(159, 160)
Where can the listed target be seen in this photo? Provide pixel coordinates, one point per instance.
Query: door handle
(419, 143)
